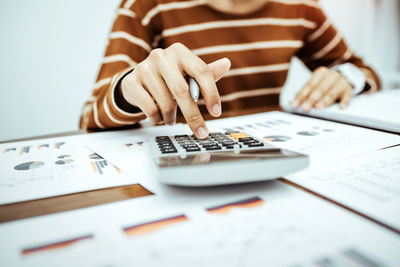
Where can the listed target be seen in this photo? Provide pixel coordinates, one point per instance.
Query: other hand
(323, 89)
(157, 86)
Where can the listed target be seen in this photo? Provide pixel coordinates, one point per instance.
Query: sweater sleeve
(129, 43)
(324, 46)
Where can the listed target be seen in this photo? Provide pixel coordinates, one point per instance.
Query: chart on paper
(323, 141)
(50, 167)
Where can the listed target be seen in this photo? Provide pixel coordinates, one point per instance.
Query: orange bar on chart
(56, 245)
(153, 225)
(247, 203)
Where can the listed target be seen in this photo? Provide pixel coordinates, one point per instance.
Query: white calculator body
(222, 158)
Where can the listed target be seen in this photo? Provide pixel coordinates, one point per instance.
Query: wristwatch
(354, 76)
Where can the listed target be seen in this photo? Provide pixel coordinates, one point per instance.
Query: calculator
(222, 158)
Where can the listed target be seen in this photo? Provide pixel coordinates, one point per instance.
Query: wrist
(120, 98)
(353, 75)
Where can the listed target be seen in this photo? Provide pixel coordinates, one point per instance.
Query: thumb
(220, 67)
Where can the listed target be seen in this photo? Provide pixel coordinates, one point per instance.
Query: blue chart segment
(58, 145)
(10, 149)
(64, 161)
(308, 133)
(29, 165)
(99, 165)
(24, 149)
(43, 145)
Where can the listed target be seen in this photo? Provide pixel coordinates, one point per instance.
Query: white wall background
(50, 52)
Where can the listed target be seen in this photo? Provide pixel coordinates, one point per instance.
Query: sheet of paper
(379, 110)
(323, 141)
(274, 226)
(57, 166)
(369, 184)
(134, 160)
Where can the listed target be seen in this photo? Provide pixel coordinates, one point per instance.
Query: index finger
(201, 72)
(180, 89)
(302, 95)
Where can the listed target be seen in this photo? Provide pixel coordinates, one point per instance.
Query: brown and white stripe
(260, 46)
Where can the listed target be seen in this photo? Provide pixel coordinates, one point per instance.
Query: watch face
(224, 157)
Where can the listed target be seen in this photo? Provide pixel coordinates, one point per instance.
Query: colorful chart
(153, 225)
(308, 133)
(10, 149)
(64, 161)
(246, 203)
(56, 245)
(140, 143)
(29, 165)
(24, 149)
(58, 145)
(277, 138)
(64, 156)
(98, 166)
(95, 156)
(43, 145)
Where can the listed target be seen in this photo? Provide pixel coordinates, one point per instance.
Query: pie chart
(29, 165)
(64, 161)
(276, 138)
(308, 133)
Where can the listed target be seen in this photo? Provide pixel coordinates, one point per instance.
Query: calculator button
(192, 149)
(255, 144)
(168, 150)
(228, 147)
(250, 142)
(238, 135)
(162, 149)
(228, 143)
(189, 145)
(165, 144)
(186, 143)
(163, 138)
(209, 145)
(229, 133)
(203, 143)
(243, 139)
(213, 148)
(182, 135)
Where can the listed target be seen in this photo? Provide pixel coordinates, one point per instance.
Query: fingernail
(202, 133)
(171, 123)
(295, 103)
(320, 105)
(216, 110)
(306, 106)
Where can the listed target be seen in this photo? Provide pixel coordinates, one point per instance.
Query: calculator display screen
(219, 157)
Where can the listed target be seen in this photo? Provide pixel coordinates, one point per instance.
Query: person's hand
(157, 85)
(324, 88)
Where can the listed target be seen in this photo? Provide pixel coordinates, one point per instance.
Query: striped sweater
(260, 46)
